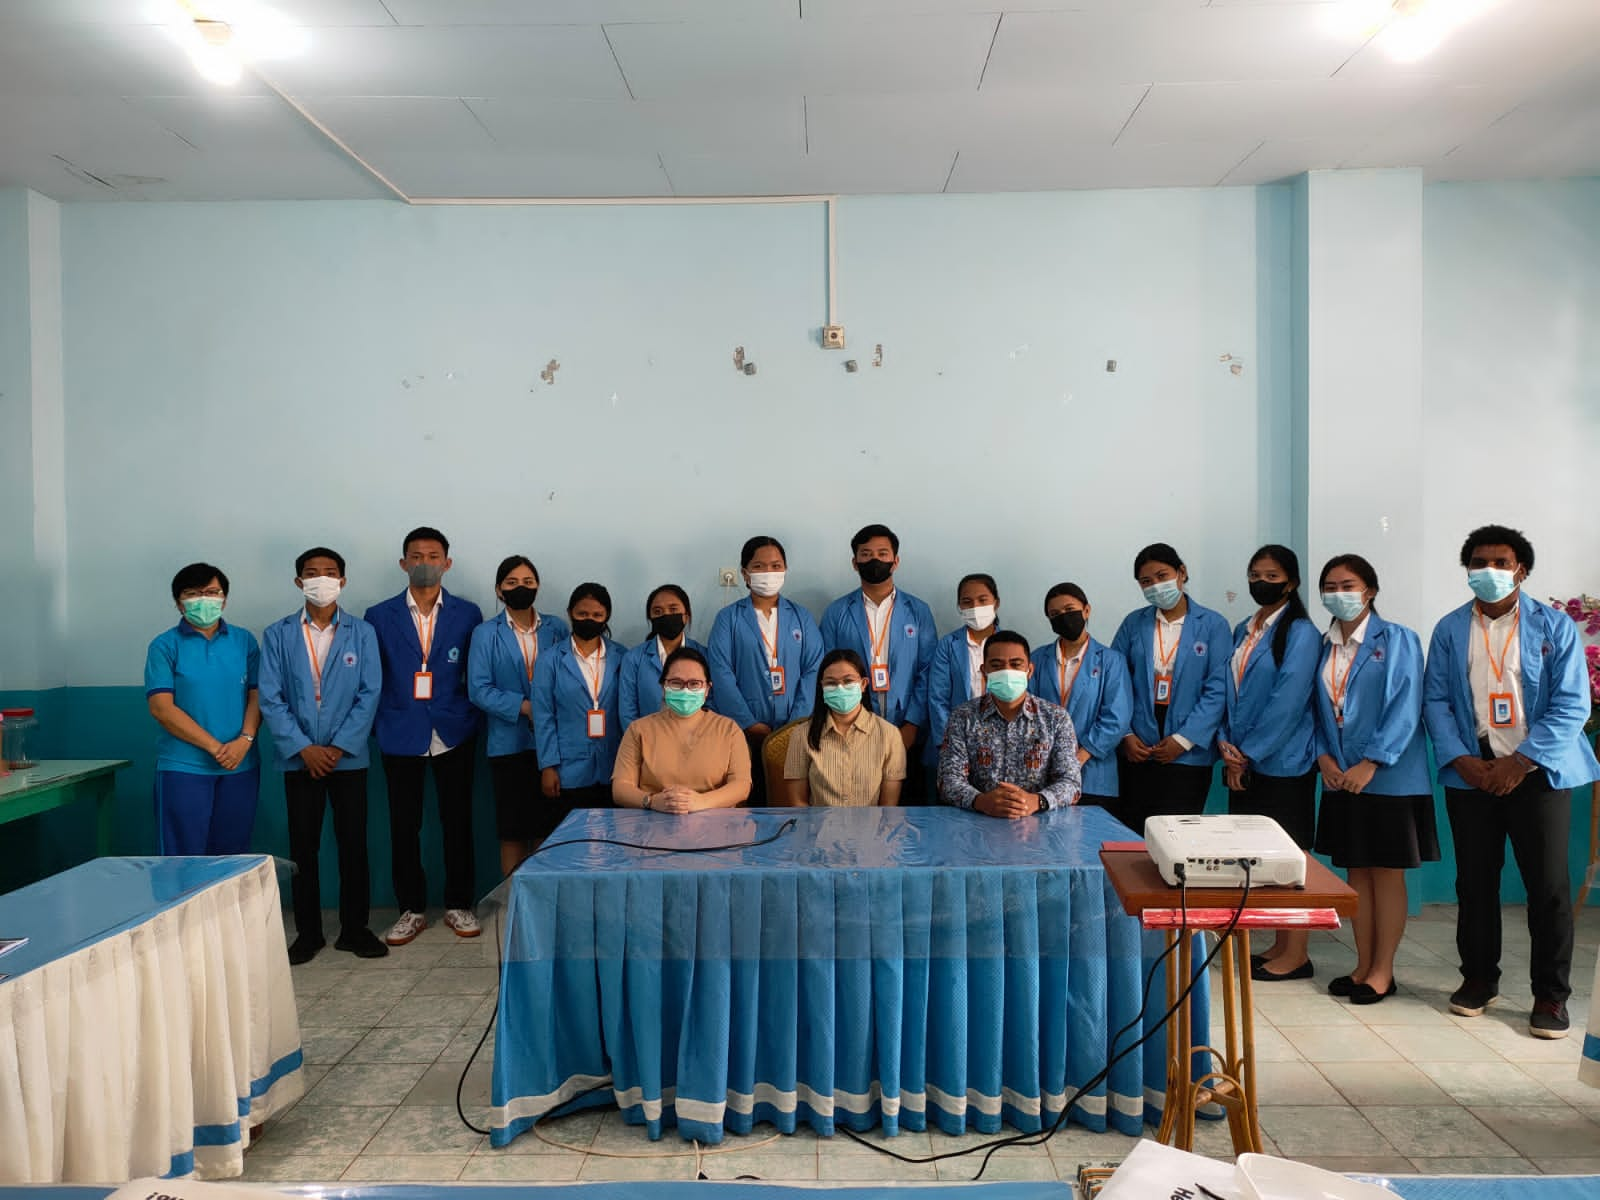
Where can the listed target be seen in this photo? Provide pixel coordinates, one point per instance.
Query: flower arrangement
(1585, 610)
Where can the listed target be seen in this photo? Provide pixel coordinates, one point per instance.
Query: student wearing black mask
(1090, 681)
(500, 669)
(576, 719)
(1268, 734)
(669, 613)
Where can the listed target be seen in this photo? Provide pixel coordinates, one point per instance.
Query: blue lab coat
(352, 677)
(949, 685)
(406, 725)
(641, 680)
(498, 683)
(1199, 678)
(1268, 715)
(910, 645)
(1382, 711)
(561, 703)
(1101, 707)
(739, 680)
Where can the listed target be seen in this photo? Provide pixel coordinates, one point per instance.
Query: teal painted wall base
(113, 722)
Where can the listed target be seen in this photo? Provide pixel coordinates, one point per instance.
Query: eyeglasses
(685, 685)
(209, 594)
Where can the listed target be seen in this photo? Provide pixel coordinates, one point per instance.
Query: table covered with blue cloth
(893, 966)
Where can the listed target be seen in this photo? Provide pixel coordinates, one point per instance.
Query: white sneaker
(462, 921)
(406, 928)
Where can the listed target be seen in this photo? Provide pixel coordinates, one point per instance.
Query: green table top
(56, 772)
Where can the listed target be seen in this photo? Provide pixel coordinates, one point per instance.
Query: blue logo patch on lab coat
(1199, 648)
(911, 631)
(1377, 655)
(797, 634)
(455, 654)
(350, 658)
(1546, 648)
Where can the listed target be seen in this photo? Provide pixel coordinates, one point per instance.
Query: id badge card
(1163, 689)
(880, 677)
(1502, 710)
(597, 723)
(775, 674)
(422, 685)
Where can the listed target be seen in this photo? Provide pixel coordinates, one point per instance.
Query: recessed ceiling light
(1406, 30)
(222, 36)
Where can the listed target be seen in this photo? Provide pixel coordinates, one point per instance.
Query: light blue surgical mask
(682, 701)
(1346, 606)
(1164, 595)
(1490, 584)
(1007, 685)
(842, 698)
(202, 611)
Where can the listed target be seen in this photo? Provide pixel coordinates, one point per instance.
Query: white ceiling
(734, 97)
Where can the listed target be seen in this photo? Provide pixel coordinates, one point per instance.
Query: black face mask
(1264, 593)
(1068, 624)
(668, 625)
(874, 570)
(519, 598)
(587, 629)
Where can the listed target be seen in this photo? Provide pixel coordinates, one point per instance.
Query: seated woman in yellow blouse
(849, 756)
(682, 758)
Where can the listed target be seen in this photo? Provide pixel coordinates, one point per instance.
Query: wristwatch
(647, 799)
(249, 737)
(1044, 805)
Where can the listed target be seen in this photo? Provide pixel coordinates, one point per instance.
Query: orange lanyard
(316, 665)
(523, 639)
(595, 677)
(1500, 669)
(1063, 686)
(1338, 684)
(772, 646)
(1249, 648)
(882, 640)
(425, 631)
(1163, 659)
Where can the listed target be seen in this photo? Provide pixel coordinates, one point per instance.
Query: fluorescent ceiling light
(1407, 30)
(221, 36)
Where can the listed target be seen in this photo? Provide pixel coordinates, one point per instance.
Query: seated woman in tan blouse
(849, 756)
(683, 758)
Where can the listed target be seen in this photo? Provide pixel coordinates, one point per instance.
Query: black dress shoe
(1262, 975)
(1362, 994)
(1342, 986)
(304, 949)
(363, 943)
(1257, 960)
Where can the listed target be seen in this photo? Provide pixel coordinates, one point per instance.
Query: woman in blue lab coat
(1177, 655)
(669, 613)
(765, 651)
(1266, 739)
(1377, 796)
(500, 665)
(1091, 682)
(955, 676)
(577, 686)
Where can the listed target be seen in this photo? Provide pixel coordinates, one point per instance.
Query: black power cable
(461, 1083)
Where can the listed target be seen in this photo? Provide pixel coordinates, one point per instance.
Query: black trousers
(1536, 820)
(346, 793)
(1151, 789)
(452, 781)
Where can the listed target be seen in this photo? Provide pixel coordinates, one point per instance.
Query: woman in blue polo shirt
(577, 725)
(669, 613)
(1090, 681)
(200, 683)
(500, 665)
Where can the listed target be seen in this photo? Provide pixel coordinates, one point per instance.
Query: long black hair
(1357, 566)
(819, 710)
(596, 592)
(1295, 609)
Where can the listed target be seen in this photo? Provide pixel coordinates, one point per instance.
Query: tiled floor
(1398, 1087)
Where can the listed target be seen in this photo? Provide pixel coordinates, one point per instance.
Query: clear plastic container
(19, 738)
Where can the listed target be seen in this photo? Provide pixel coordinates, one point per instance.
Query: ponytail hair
(1295, 608)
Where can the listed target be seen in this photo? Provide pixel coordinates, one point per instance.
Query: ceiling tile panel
(1188, 164)
(586, 12)
(495, 174)
(1024, 119)
(426, 124)
(896, 169)
(669, 126)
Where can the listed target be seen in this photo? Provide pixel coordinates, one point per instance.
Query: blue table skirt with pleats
(876, 966)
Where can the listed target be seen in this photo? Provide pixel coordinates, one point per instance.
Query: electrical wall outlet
(727, 577)
(833, 337)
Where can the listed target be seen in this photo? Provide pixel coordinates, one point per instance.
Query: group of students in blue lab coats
(1280, 703)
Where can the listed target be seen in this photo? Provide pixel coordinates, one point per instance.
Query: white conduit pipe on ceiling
(830, 201)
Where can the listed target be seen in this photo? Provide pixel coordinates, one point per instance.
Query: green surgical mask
(683, 702)
(842, 698)
(1007, 685)
(203, 611)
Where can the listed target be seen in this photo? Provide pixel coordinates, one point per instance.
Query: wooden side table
(1144, 894)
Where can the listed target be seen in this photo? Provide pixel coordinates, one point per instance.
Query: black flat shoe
(1261, 975)
(1257, 960)
(1362, 994)
(1343, 986)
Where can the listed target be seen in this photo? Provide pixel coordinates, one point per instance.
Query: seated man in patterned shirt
(1007, 753)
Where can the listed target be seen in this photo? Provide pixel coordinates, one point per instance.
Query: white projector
(1213, 851)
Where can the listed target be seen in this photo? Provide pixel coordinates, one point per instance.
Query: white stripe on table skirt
(519, 1107)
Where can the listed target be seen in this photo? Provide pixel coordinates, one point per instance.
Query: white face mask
(978, 617)
(321, 590)
(766, 583)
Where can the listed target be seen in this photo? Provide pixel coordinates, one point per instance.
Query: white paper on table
(1156, 1172)
(189, 1189)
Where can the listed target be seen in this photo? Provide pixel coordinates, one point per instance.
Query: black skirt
(1290, 800)
(522, 812)
(1394, 832)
